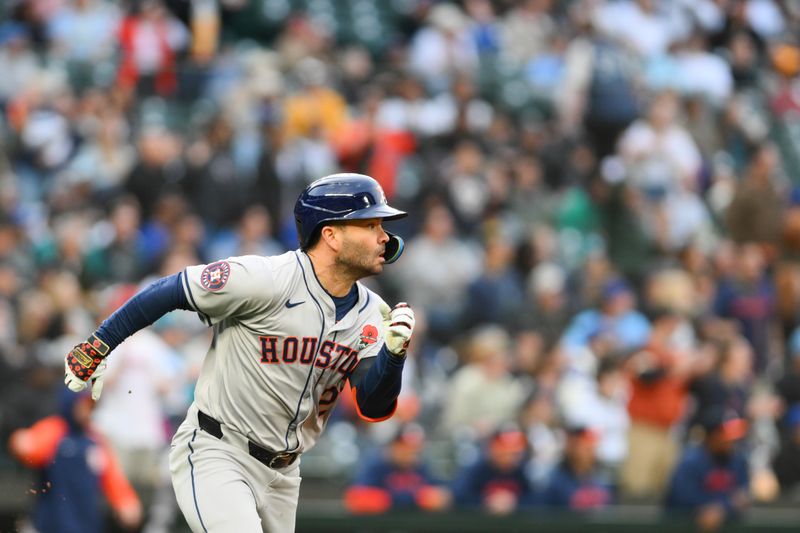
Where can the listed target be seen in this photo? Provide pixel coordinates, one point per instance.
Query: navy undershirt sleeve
(153, 302)
(377, 381)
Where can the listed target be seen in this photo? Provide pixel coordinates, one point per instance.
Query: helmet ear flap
(394, 248)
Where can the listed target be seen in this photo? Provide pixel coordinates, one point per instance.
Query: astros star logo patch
(215, 275)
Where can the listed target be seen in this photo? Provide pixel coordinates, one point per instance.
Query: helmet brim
(381, 211)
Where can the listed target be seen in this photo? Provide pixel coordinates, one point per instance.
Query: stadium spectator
(315, 109)
(496, 296)
(84, 30)
(526, 29)
(786, 463)
(545, 308)
(787, 386)
(599, 84)
(397, 477)
(496, 482)
(443, 47)
(545, 436)
(214, 184)
(106, 158)
(78, 470)
(576, 484)
(532, 201)
(659, 153)
(486, 374)
(366, 146)
(118, 256)
(253, 236)
(149, 38)
(727, 386)
(748, 297)
(711, 479)
(754, 214)
(659, 374)
(18, 61)
(438, 267)
(158, 169)
(617, 319)
(601, 404)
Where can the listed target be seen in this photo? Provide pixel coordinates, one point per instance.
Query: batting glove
(85, 365)
(398, 325)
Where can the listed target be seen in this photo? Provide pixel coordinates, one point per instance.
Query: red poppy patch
(369, 336)
(215, 275)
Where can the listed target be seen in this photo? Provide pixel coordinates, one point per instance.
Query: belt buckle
(279, 460)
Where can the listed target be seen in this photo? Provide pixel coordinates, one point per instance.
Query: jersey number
(328, 399)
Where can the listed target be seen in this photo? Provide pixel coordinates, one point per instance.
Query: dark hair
(608, 365)
(660, 312)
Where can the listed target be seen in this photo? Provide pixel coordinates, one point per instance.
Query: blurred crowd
(603, 247)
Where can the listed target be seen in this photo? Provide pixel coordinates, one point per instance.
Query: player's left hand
(398, 326)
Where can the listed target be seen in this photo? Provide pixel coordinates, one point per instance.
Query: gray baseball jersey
(279, 359)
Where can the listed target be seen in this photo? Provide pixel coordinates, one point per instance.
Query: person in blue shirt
(497, 481)
(577, 484)
(749, 298)
(711, 480)
(617, 318)
(397, 478)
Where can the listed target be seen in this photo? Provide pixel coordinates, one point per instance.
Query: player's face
(363, 246)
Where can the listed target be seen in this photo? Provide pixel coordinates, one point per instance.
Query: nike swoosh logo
(289, 304)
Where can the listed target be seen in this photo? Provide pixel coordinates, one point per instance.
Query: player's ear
(332, 237)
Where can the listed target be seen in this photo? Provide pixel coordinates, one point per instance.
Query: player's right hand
(398, 325)
(85, 364)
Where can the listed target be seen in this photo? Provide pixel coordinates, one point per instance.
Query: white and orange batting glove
(398, 325)
(85, 365)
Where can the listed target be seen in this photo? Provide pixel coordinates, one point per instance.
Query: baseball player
(289, 331)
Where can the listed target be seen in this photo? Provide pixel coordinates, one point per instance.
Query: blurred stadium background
(604, 240)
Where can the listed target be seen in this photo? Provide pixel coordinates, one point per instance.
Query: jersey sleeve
(234, 287)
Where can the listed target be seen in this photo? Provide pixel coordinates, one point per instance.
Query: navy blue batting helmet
(344, 197)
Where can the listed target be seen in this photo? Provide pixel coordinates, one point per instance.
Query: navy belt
(271, 459)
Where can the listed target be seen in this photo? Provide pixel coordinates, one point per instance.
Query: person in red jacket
(77, 469)
(149, 39)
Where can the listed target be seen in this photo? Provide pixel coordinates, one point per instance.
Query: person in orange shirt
(316, 110)
(659, 391)
(77, 468)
